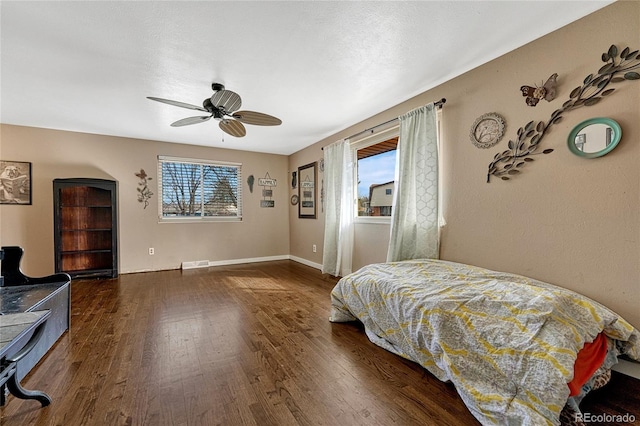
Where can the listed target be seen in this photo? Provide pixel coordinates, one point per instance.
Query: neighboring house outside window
(381, 199)
(199, 190)
(375, 173)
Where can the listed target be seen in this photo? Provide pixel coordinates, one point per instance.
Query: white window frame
(364, 142)
(198, 219)
(392, 131)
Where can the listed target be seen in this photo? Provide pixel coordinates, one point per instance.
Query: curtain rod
(437, 103)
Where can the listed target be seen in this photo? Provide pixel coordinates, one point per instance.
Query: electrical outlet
(151, 251)
(314, 248)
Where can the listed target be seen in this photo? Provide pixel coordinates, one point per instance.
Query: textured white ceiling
(319, 66)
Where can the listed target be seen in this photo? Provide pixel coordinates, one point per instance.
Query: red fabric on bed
(590, 358)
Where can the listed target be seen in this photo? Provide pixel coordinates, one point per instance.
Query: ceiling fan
(223, 105)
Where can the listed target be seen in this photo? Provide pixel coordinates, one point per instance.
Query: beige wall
(263, 232)
(306, 232)
(566, 220)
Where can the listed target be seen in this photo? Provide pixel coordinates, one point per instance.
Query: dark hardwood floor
(244, 344)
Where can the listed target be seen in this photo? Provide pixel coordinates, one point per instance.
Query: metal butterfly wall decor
(535, 94)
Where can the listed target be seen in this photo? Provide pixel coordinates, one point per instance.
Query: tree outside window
(199, 190)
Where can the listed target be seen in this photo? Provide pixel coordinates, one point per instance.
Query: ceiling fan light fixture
(218, 115)
(223, 106)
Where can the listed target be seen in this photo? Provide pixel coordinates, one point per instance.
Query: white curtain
(339, 209)
(414, 218)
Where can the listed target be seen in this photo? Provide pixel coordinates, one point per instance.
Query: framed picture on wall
(307, 177)
(15, 182)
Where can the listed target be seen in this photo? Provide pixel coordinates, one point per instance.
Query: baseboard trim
(306, 262)
(196, 264)
(247, 260)
(142, 271)
(208, 263)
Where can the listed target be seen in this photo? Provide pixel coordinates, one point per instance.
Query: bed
(508, 343)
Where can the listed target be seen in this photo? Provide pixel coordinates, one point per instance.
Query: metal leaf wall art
(619, 66)
(144, 193)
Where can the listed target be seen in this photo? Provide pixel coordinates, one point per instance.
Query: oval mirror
(594, 137)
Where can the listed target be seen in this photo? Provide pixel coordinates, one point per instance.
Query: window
(199, 190)
(375, 173)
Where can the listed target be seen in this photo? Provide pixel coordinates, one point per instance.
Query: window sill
(200, 220)
(373, 220)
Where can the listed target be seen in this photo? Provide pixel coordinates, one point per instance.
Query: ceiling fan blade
(256, 118)
(190, 120)
(233, 127)
(226, 100)
(176, 103)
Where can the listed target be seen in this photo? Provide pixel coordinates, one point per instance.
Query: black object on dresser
(86, 227)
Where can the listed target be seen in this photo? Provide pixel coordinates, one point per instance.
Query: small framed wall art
(307, 177)
(15, 182)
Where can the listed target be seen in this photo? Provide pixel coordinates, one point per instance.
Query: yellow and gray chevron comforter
(508, 343)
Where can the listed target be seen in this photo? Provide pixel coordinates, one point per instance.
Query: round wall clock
(294, 199)
(487, 130)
